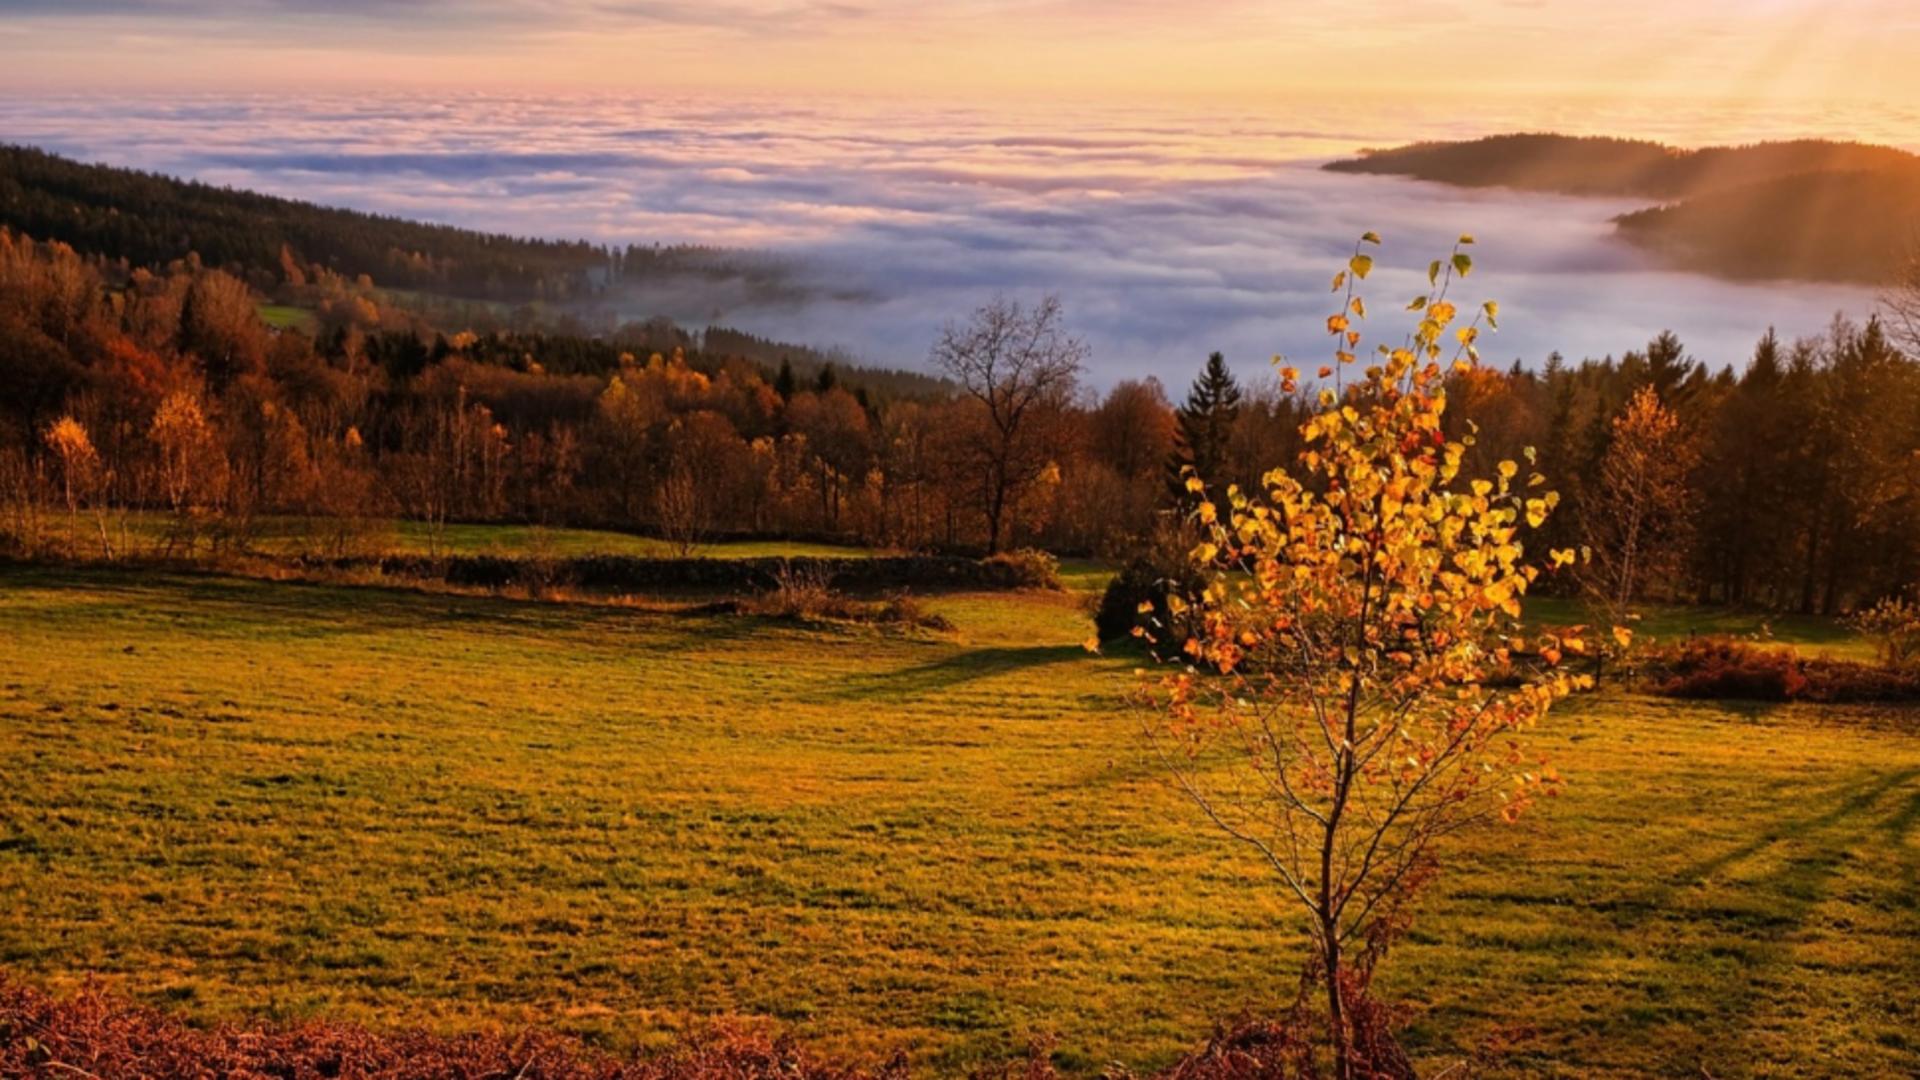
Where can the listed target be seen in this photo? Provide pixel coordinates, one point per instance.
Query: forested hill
(1582, 165)
(150, 220)
(1811, 209)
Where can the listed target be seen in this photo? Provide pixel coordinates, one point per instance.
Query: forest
(1809, 209)
(1787, 480)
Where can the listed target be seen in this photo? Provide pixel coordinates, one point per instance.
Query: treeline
(1795, 484)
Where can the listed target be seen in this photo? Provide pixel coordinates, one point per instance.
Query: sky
(1755, 51)
(1154, 163)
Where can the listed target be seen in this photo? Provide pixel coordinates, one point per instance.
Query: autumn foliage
(1353, 681)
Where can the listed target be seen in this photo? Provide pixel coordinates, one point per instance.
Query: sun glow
(1752, 52)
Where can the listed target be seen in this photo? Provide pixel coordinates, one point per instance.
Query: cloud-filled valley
(1167, 234)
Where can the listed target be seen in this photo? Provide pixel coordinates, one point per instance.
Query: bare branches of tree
(1021, 365)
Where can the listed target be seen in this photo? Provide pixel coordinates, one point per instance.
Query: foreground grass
(233, 796)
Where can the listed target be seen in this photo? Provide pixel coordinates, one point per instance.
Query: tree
(1205, 427)
(1900, 303)
(1356, 669)
(1020, 364)
(191, 467)
(80, 473)
(1638, 525)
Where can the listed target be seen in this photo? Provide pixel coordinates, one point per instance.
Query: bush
(1894, 624)
(627, 574)
(1137, 597)
(806, 593)
(1839, 682)
(1719, 667)
(902, 609)
(1031, 567)
(1729, 668)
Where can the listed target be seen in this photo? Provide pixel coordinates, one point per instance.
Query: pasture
(228, 796)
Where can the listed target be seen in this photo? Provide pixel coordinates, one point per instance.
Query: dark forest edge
(1805, 209)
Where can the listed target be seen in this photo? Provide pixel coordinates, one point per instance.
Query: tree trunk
(1336, 1008)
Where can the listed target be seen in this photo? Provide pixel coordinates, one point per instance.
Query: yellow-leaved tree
(1349, 683)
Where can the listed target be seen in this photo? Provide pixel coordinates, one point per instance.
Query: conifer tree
(1205, 427)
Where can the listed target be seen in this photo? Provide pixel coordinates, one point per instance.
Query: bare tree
(1021, 365)
(1900, 302)
(680, 505)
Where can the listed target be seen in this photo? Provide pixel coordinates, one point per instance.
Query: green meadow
(235, 797)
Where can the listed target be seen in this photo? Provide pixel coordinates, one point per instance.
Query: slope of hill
(1832, 211)
(1825, 226)
(150, 219)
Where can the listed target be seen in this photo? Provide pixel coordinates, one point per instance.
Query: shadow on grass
(955, 670)
(1740, 938)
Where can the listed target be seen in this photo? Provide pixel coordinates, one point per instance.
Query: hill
(1833, 211)
(150, 220)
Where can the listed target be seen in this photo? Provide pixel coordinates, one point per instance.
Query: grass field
(230, 796)
(283, 317)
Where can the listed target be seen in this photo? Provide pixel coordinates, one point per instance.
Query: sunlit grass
(232, 796)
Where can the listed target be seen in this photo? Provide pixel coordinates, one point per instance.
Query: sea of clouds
(1167, 233)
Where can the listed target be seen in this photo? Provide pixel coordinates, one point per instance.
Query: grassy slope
(232, 795)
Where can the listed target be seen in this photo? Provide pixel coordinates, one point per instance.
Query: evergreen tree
(783, 383)
(1205, 428)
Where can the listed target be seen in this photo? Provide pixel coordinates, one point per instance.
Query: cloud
(1168, 234)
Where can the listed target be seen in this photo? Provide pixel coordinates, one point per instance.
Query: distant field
(231, 796)
(282, 317)
(288, 536)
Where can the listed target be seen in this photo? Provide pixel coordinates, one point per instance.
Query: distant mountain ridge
(1812, 209)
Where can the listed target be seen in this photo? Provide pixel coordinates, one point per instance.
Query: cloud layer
(1168, 234)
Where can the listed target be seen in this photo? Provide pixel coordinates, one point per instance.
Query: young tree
(1355, 670)
(1205, 427)
(80, 473)
(1021, 365)
(1638, 524)
(191, 466)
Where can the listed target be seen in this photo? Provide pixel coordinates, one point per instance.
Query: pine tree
(783, 383)
(1205, 428)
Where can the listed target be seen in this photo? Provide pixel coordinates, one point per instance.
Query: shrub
(1839, 682)
(801, 591)
(902, 609)
(1031, 567)
(1718, 667)
(621, 573)
(1894, 624)
(1137, 596)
